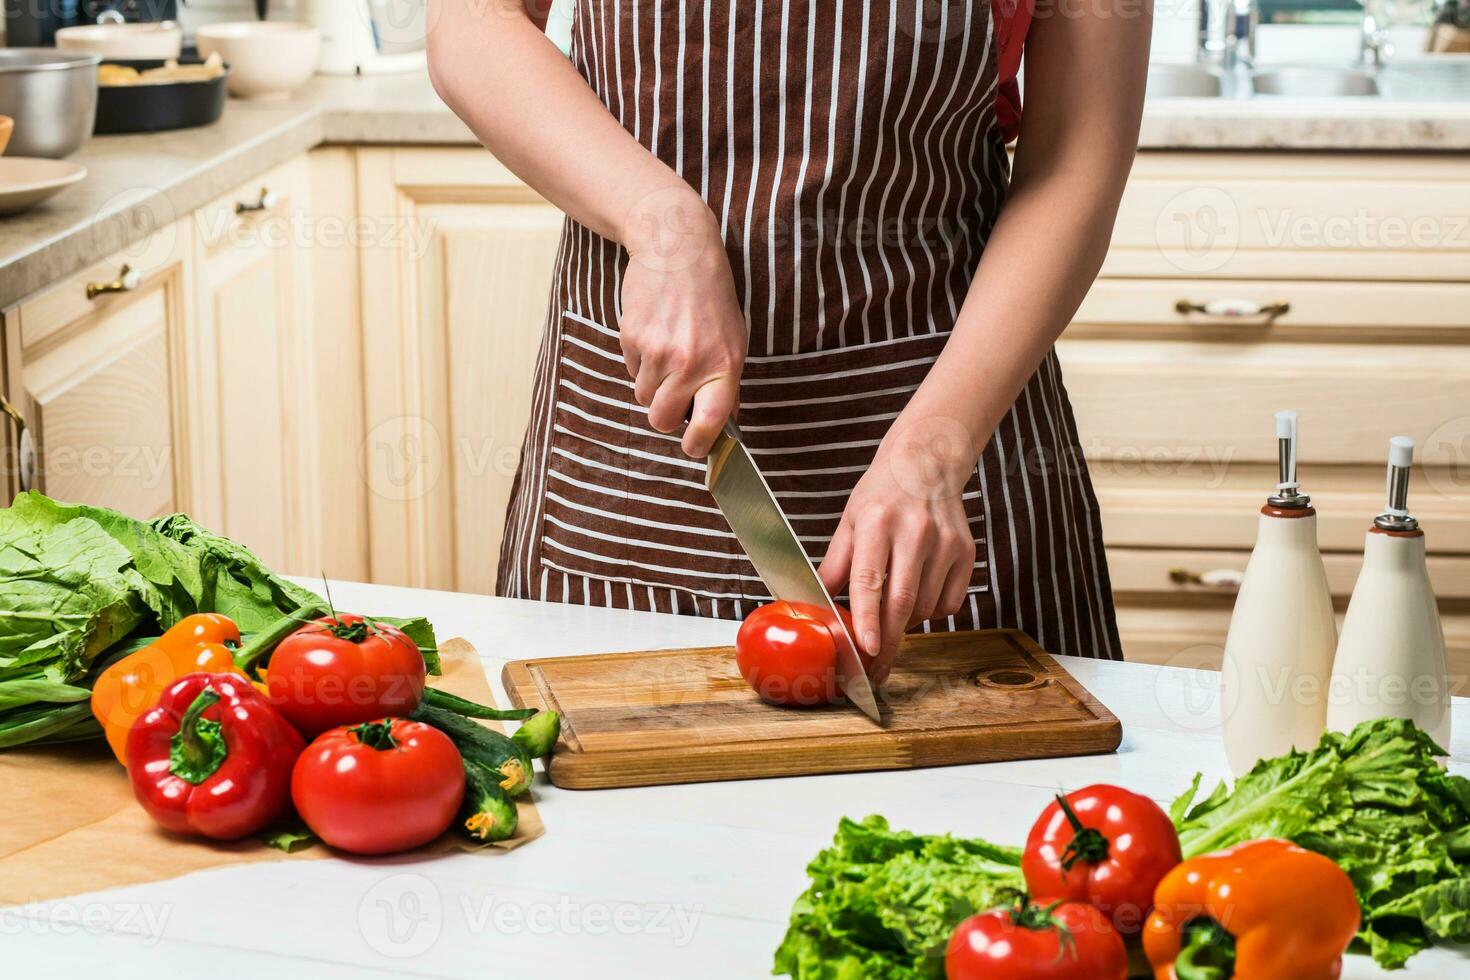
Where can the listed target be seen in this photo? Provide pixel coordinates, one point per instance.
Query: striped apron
(852, 153)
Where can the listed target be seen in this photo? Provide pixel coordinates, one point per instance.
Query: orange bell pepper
(1262, 910)
(129, 688)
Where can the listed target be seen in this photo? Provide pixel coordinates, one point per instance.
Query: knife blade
(766, 535)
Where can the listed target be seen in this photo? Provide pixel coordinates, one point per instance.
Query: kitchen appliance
(156, 107)
(768, 539)
(369, 37)
(1282, 636)
(52, 96)
(1391, 656)
(34, 23)
(684, 716)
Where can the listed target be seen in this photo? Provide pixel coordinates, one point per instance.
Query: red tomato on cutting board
(787, 655)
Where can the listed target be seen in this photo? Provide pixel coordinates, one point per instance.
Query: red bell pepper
(213, 758)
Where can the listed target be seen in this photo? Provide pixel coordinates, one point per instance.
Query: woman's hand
(904, 547)
(681, 327)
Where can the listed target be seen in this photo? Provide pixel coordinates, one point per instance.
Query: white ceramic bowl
(158, 40)
(267, 58)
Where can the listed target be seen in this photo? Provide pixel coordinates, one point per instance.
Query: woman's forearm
(1084, 97)
(529, 106)
(1040, 261)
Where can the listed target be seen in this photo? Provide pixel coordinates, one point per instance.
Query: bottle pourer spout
(1395, 516)
(1288, 491)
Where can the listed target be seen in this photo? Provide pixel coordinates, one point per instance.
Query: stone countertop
(138, 183)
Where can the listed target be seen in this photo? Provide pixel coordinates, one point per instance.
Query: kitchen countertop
(662, 881)
(141, 182)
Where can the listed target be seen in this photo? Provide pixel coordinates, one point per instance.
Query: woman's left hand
(904, 547)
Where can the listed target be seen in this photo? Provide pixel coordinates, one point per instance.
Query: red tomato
(379, 787)
(1107, 847)
(1071, 941)
(344, 670)
(787, 655)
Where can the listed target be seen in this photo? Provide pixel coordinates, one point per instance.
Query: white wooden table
(669, 881)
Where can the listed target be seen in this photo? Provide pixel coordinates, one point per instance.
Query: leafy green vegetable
(291, 836)
(882, 902)
(67, 592)
(1376, 802)
(81, 586)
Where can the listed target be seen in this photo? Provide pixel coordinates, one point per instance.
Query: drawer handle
(1235, 309)
(24, 448)
(128, 279)
(1224, 579)
(265, 202)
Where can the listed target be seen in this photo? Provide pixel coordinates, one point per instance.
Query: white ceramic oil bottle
(1391, 659)
(1279, 649)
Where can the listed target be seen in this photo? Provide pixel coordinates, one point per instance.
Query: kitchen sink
(1183, 82)
(1314, 83)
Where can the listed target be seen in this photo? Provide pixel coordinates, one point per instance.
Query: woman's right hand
(682, 330)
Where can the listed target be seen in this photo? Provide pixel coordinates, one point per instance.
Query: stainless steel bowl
(52, 96)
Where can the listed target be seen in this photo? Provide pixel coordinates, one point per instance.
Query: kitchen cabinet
(213, 367)
(1239, 284)
(456, 271)
(96, 367)
(257, 372)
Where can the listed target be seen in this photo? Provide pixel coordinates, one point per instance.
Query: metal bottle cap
(1395, 516)
(1287, 494)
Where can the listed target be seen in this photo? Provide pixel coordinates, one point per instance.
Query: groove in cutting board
(670, 716)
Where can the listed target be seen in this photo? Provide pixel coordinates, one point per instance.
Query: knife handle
(720, 452)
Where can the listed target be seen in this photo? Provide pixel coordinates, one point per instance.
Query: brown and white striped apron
(852, 153)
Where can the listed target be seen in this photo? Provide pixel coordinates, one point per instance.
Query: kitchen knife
(766, 535)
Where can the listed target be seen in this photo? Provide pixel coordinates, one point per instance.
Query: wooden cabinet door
(97, 379)
(251, 372)
(455, 278)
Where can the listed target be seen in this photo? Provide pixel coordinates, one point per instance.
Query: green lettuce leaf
(1378, 803)
(80, 586)
(882, 903)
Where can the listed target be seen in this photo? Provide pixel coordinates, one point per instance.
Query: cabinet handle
(1224, 579)
(128, 279)
(1235, 309)
(265, 202)
(25, 454)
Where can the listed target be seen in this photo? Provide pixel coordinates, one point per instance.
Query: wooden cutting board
(685, 716)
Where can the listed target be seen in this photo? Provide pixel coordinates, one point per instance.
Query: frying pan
(150, 108)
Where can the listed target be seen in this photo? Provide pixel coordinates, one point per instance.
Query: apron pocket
(813, 422)
(622, 502)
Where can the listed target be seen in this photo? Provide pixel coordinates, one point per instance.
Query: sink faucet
(1227, 32)
(1375, 45)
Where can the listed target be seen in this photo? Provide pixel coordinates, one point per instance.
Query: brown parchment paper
(70, 824)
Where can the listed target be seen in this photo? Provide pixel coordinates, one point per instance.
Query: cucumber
(539, 734)
(487, 813)
(484, 746)
(470, 709)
